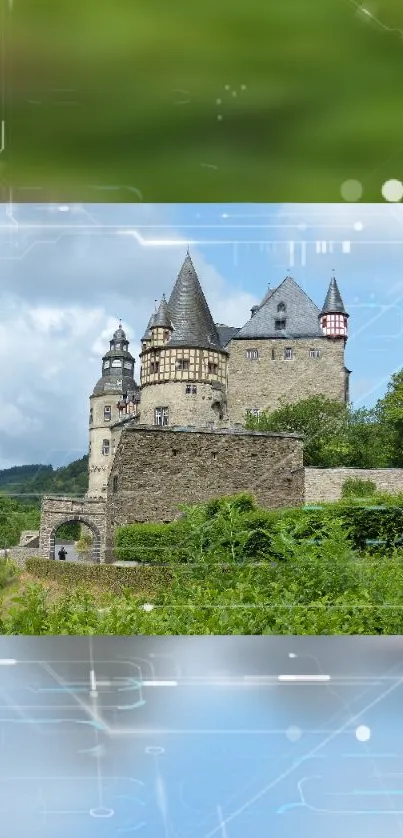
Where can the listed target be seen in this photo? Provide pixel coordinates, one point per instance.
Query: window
(161, 416)
(182, 364)
(106, 365)
(190, 389)
(288, 354)
(105, 447)
(314, 353)
(127, 365)
(214, 455)
(279, 324)
(213, 368)
(174, 452)
(107, 413)
(117, 345)
(115, 483)
(116, 363)
(166, 335)
(125, 347)
(154, 366)
(345, 322)
(281, 307)
(252, 354)
(324, 322)
(273, 354)
(91, 415)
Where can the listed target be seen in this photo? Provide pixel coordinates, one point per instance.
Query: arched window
(281, 307)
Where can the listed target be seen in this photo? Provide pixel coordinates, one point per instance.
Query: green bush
(109, 577)
(8, 571)
(152, 543)
(354, 487)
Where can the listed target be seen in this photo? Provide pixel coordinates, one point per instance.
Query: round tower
(115, 394)
(333, 317)
(183, 364)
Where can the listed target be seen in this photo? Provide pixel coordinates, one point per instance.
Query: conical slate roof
(189, 312)
(147, 333)
(333, 303)
(162, 318)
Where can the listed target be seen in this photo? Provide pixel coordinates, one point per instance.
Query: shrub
(354, 487)
(152, 543)
(109, 577)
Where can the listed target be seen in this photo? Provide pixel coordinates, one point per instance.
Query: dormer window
(281, 307)
(279, 325)
(166, 335)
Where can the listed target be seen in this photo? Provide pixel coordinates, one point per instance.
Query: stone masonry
(61, 510)
(261, 383)
(325, 484)
(157, 469)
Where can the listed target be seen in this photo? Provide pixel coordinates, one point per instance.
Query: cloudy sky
(69, 272)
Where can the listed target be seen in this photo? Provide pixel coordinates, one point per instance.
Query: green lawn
(123, 93)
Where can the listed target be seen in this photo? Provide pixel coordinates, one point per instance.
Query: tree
(322, 423)
(390, 411)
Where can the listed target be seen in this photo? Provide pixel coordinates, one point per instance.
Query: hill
(28, 483)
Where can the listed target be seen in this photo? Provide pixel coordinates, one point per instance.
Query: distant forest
(28, 484)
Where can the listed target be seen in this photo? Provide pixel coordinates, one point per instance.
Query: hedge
(109, 577)
(155, 543)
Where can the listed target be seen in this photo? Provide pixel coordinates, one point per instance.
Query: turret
(333, 317)
(109, 402)
(183, 364)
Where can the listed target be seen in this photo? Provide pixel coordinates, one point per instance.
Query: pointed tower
(113, 393)
(183, 364)
(333, 317)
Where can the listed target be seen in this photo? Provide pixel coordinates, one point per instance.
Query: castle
(199, 374)
(178, 436)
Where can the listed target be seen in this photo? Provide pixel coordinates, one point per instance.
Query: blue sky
(68, 272)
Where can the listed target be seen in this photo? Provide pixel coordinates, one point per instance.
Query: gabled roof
(301, 314)
(333, 303)
(189, 312)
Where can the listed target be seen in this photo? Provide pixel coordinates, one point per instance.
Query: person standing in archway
(62, 553)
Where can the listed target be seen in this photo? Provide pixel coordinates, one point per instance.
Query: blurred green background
(123, 93)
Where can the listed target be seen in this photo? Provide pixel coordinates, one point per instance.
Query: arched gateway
(62, 510)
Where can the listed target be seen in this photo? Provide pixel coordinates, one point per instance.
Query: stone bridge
(56, 511)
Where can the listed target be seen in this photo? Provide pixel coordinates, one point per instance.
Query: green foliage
(70, 531)
(8, 571)
(155, 543)
(356, 488)
(334, 434)
(14, 518)
(84, 543)
(109, 577)
(30, 483)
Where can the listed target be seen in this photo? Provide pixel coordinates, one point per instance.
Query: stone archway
(57, 511)
(96, 537)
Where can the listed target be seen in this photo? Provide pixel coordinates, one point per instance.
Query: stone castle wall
(325, 484)
(260, 384)
(157, 470)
